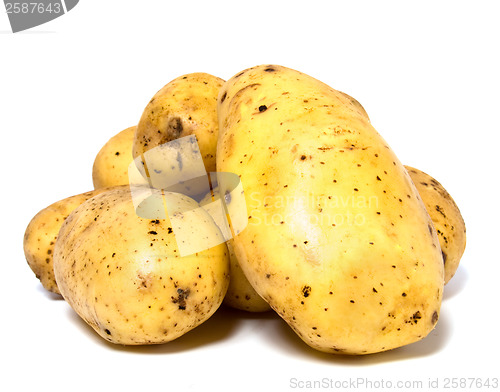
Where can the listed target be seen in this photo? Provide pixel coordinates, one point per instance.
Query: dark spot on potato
(170, 231)
(303, 157)
(262, 108)
(152, 232)
(440, 210)
(435, 317)
(181, 298)
(107, 331)
(174, 129)
(269, 69)
(306, 290)
(117, 153)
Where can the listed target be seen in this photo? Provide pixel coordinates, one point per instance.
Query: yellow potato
(41, 235)
(240, 293)
(185, 106)
(112, 162)
(124, 275)
(338, 240)
(446, 218)
(356, 105)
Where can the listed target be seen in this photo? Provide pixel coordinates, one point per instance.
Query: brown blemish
(181, 298)
(439, 209)
(435, 317)
(174, 128)
(306, 291)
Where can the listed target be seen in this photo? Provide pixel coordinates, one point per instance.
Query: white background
(427, 74)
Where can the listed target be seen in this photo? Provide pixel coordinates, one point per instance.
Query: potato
(41, 235)
(112, 161)
(356, 105)
(240, 294)
(338, 240)
(185, 106)
(446, 218)
(124, 275)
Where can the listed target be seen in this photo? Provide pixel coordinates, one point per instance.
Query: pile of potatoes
(351, 248)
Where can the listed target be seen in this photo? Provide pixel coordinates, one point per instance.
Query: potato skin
(113, 159)
(123, 274)
(446, 218)
(240, 293)
(306, 155)
(187, 105)
(41, 235)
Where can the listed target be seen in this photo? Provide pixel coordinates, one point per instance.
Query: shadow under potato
(222, 325)
(49, 294)
(226, 322)
(283, 338)
(456, 284)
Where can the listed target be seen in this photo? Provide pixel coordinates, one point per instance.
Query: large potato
(446, 218)
(185, 106)
(338, 240)
(124, 275)
(240, 293)
(41, 235)
(111, 165)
